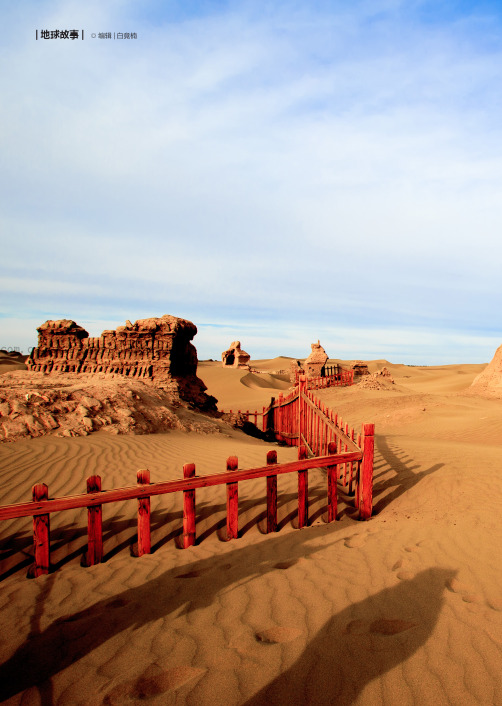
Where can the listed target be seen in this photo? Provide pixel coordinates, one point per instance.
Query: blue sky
(276, 172)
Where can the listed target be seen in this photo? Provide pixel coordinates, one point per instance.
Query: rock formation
(489, 382)
(235, 357)
(316, 361)
(360, 368)
(295, 370)
(156, 349)
(71, 404)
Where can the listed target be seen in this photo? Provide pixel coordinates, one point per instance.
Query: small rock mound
(381, 380)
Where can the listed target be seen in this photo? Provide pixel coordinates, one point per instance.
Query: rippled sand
(403, 609)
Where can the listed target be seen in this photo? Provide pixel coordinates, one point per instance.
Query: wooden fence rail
(41, 507)
(298, 418)
(340, 378)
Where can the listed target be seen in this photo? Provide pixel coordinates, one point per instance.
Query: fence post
(271, 416)
(232, 501)
(332, 493)
(303, 491)
(188, 508)
(358, 472)
(345, 448)
(280, 418)
(351, 466)
(94, 525)
(366, 475)
(144, 541)
(41, 530)
(302, 386)
(271, 495)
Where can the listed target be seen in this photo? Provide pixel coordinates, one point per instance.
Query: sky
(275, 172)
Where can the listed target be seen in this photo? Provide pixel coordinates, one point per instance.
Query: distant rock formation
(295, 370)
(360, 367)
(156, 349)
(489, 382)
(316, 361)
(381, 380)
(235, 357)
(384, 372)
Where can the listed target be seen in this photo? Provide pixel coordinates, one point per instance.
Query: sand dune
(11, 361)
(403, 609)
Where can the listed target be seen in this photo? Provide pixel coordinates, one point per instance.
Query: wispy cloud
(332, 165)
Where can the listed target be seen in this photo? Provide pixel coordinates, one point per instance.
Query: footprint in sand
(405, 575)
(357, 540)
(151, 683)
(192, 574)
(285, 564)
(495, 604)
(467, 594)
(276, 635)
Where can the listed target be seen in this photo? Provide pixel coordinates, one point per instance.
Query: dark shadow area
(252, 430)
(391, 457)
(357, 645)
(47, 652)
(360, 644)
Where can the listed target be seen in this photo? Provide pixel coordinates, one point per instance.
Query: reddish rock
(156, 349)
(72, 404)
(360, 368)
(295, 370)
(316, 361)
(385, 373)
(235, 357)
(489, 382)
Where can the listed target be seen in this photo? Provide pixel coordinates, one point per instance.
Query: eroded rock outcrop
(360, 367)
(156, 349)
(235, 357)
(316, 361)
(489, 382)
(295, 370)
(37, 404)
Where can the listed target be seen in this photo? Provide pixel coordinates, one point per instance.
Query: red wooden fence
(343, 378)
(41, 507)
(340, 379)
(298, 419)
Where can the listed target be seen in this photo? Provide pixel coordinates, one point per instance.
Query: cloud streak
(322, 167)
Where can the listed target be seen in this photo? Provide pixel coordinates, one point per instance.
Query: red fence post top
(40, 492)
(188, 470)
(143, 476)
(302, 453)
(368, 429)
(271, 457)
(93, 484)
(232, 463)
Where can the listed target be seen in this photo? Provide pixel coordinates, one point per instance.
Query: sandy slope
(403, 609)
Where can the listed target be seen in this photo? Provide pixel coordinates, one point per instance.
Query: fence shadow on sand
(334, 667)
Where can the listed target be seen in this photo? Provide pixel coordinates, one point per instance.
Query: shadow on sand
(391, 457)
(355, 646)
(360, 644)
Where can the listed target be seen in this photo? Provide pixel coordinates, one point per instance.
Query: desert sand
(403, 609)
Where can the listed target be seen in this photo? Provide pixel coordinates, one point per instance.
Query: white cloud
(337, 163)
